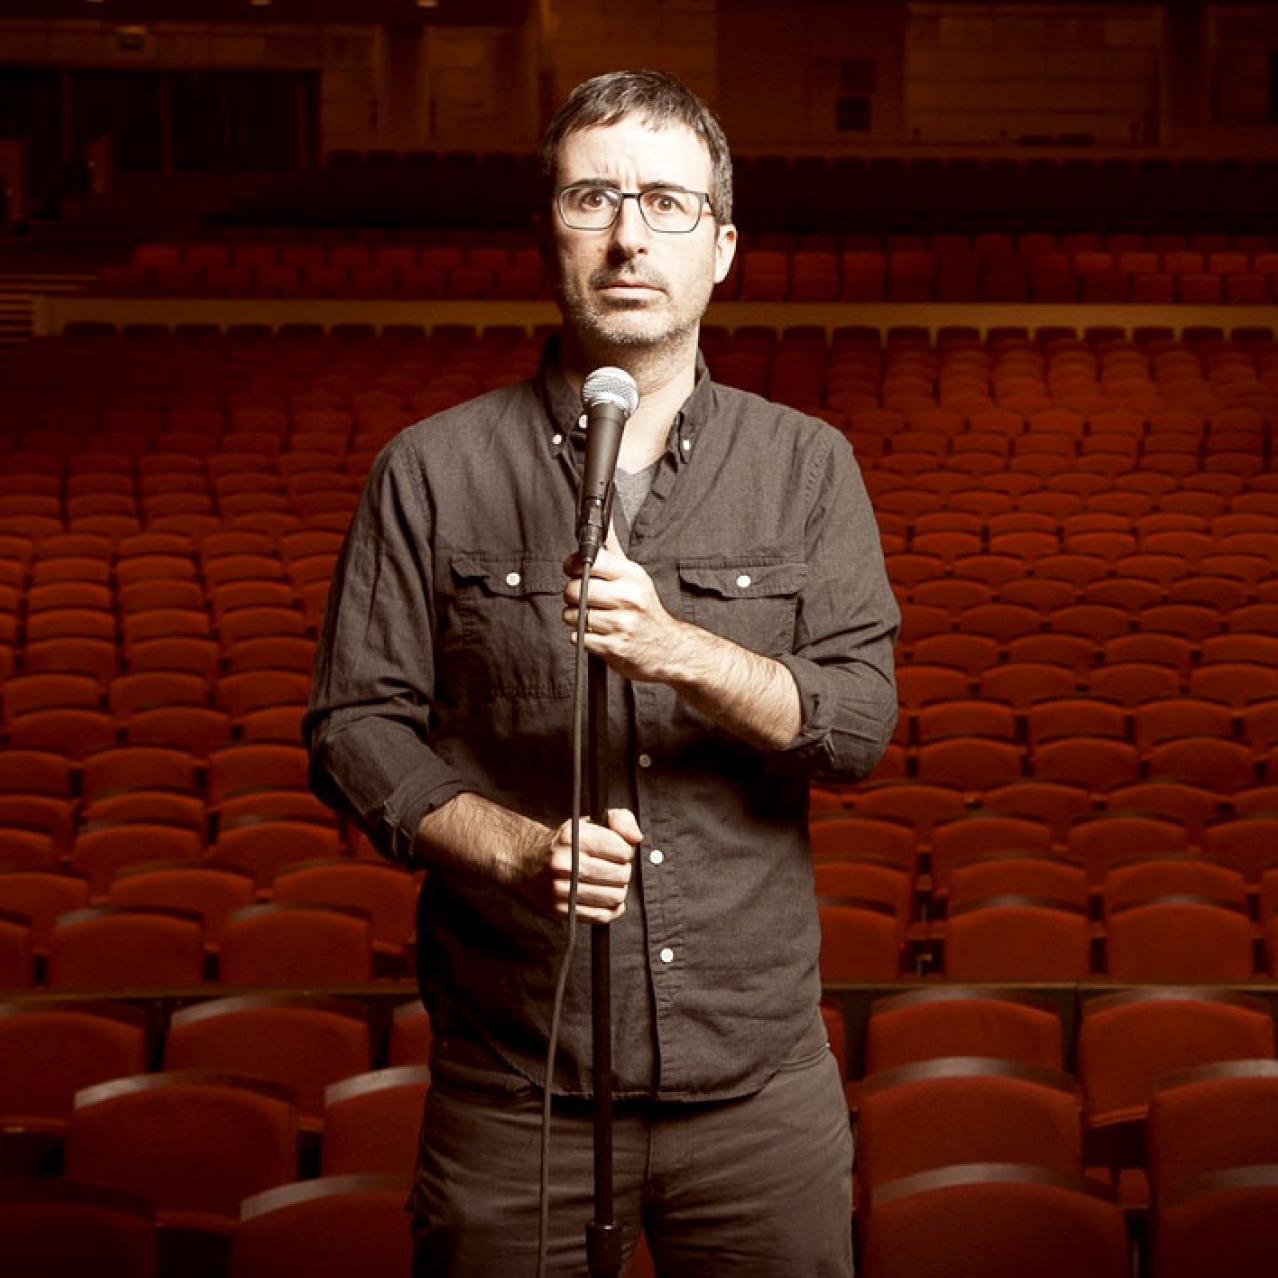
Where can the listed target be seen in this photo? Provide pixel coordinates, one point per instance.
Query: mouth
(626, 284)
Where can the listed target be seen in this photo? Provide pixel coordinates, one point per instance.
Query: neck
(665, 379)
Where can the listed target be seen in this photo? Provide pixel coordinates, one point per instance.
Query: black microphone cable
(565, 962)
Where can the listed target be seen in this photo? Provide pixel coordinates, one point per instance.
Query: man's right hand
(474, 834)
(607, 855)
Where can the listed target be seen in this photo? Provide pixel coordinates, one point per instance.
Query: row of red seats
(311, 1044)
(1057, 805)
(128, 947)
(289, 1075)
(964, 373)
(758, 275)
(1020, 577)
(512, 283)
(332, 1225)
(1096, 763)
(374, 247)
(1026, 936)
(1190, 1125)
(1145, 724)
(820, 268)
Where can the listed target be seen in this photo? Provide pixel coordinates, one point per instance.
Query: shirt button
(666, 955)
(556, 439)
(656, 856)
(686, 445)
(512, 579)
(743, 581)
(645, 760)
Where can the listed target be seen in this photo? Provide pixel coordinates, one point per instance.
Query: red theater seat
(295, 944)
(112, 948)
(305, 1044)
(64, 1228)
(948, 1110)
(1016, 1218)
(1017, 938)
(194, 1143)
(330, 1227)
(371, 1123)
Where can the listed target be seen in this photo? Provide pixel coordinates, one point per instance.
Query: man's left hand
(628, 626)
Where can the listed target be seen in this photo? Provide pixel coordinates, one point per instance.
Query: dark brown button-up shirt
(445, 666)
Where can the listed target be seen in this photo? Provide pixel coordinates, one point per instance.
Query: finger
(600, 848)
(595, 879)
(607, 845)
(603, 592)
(609, 563)
(593, 915)
(612, 543)
(596, 867)
(622, 821)
(592, 897)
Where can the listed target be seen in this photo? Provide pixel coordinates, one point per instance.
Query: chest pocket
(753, 604)
(510, 615)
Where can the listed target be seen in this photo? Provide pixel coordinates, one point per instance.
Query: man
(741, 602)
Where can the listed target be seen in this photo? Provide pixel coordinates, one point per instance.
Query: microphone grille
(611, 386)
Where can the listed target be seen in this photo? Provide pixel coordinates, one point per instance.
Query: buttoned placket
(658, 879)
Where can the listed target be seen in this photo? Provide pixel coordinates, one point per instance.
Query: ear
(725, 249)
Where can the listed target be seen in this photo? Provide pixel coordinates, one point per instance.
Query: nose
(629, 232)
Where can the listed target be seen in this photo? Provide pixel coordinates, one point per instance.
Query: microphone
(610, 397)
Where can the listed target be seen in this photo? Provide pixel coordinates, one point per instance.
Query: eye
(590, 198)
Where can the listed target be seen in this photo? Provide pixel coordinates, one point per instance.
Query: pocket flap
(509, 576)
(745, 581)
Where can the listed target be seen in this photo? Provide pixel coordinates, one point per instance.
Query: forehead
(633, 152)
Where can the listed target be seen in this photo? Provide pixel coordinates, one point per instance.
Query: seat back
(49, 1051)
(1016, 1219)
(106, 947)
(1209, 1118)
(965, 1109)
(59, 1228)
(1127, 1041)
(304, 1044)
(297, 944)
(372, 1120)
(327, 1228)
(1180, 938)
(1017, 938)
(961, 1021)
(194, 1143)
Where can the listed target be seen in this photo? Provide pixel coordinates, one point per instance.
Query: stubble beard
(625, 327)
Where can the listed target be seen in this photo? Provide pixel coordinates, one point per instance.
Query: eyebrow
(606, 184)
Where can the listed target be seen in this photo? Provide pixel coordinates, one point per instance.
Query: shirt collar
(565, 420)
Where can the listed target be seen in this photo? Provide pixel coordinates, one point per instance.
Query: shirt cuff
(412, 799)
(835, 737)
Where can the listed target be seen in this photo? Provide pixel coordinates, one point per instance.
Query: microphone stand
(609, 403)
(603, 1238)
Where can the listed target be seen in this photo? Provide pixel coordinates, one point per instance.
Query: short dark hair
(657, 98)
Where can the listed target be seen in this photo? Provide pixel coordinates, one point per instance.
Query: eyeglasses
(670, 209)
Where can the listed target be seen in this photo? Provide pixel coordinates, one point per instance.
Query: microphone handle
(604, 425)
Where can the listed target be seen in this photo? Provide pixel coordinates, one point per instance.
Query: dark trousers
(753, 1188)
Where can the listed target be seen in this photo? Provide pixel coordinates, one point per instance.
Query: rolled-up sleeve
(847, 623)
(367, 725)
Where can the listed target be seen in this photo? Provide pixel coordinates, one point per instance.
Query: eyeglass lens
(591, 208)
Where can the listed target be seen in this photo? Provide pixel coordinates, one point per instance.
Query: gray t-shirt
(631, 490)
